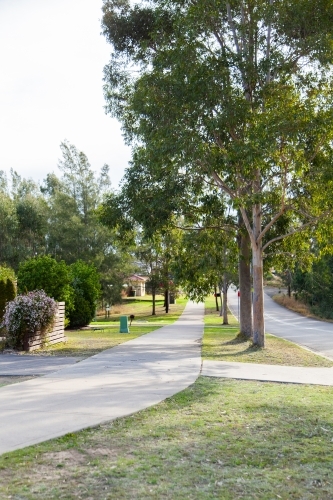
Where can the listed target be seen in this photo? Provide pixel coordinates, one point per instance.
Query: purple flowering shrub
(26, 315)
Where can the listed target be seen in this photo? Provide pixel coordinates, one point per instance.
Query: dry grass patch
(293, 304)
(85, 343)
(220, 343)
(220, 438)
(223, 345)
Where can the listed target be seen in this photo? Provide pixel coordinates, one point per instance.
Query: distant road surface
(313, 334)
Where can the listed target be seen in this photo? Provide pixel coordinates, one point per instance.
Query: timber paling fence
(56, 335)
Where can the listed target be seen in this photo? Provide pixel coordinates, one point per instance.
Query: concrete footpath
(111, 384)
(268, 373)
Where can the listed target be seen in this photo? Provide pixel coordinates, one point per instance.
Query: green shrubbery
(85, 282)
(78, 285)
(7, 287)
(315, 286)
(45, 273)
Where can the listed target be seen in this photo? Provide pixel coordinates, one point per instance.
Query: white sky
(51, 68)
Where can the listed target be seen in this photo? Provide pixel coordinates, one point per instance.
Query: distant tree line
(59, 218)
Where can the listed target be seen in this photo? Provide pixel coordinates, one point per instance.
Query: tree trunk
(166, 301)
(153, 292)
(245, 299)
(221, 300)
(225, 301)
(216, 299)
(258, 285)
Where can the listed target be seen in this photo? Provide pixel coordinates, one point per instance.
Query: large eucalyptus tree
(238, 94)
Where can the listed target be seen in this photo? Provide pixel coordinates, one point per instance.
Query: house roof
(137, 277)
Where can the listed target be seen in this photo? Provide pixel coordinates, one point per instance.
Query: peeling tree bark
(258, 286)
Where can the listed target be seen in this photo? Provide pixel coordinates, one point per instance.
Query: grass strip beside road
(14, 379)
(85, 343)
(221, 344)
(217, 439)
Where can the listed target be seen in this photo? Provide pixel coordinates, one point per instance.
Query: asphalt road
(313, 334)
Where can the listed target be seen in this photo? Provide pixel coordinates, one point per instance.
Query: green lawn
(141, 307)
(219, 438)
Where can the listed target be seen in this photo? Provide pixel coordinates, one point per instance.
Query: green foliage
(315, 286)
(3, 297)
(7, 273)
(85, 282)
(7, 287)
(10, 289)
(45, 273)
(236, 96)
(60, 219)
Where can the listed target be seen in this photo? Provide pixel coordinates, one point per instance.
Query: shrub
(87, 288)
(26, 315)
(3, 300)
(82, 313)
(7, 288)
(46, 273)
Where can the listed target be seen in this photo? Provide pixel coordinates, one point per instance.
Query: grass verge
(85, 343)
(219, 438)
(141, 307)
(221, 344)
(14, 379)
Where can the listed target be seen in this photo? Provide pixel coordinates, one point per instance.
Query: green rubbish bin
(124, 324)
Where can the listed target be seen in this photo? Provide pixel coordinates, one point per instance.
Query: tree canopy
(232, 94)
(59, 219)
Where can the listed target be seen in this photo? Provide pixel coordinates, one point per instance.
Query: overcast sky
(51, 68)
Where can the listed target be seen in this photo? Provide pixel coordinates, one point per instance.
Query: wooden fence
(54, 337)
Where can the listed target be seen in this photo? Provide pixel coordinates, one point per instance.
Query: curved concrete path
(310, 333)
(114, 383)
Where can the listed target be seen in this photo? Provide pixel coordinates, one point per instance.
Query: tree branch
(299, 229)
(233, 29)
(248, 226)
(219, 182)
(268, 48)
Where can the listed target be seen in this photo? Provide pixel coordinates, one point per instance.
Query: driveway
(313, 334)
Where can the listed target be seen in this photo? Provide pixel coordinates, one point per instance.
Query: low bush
(87, 288)
(45, 273)
(7, 288)
(25, 316)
